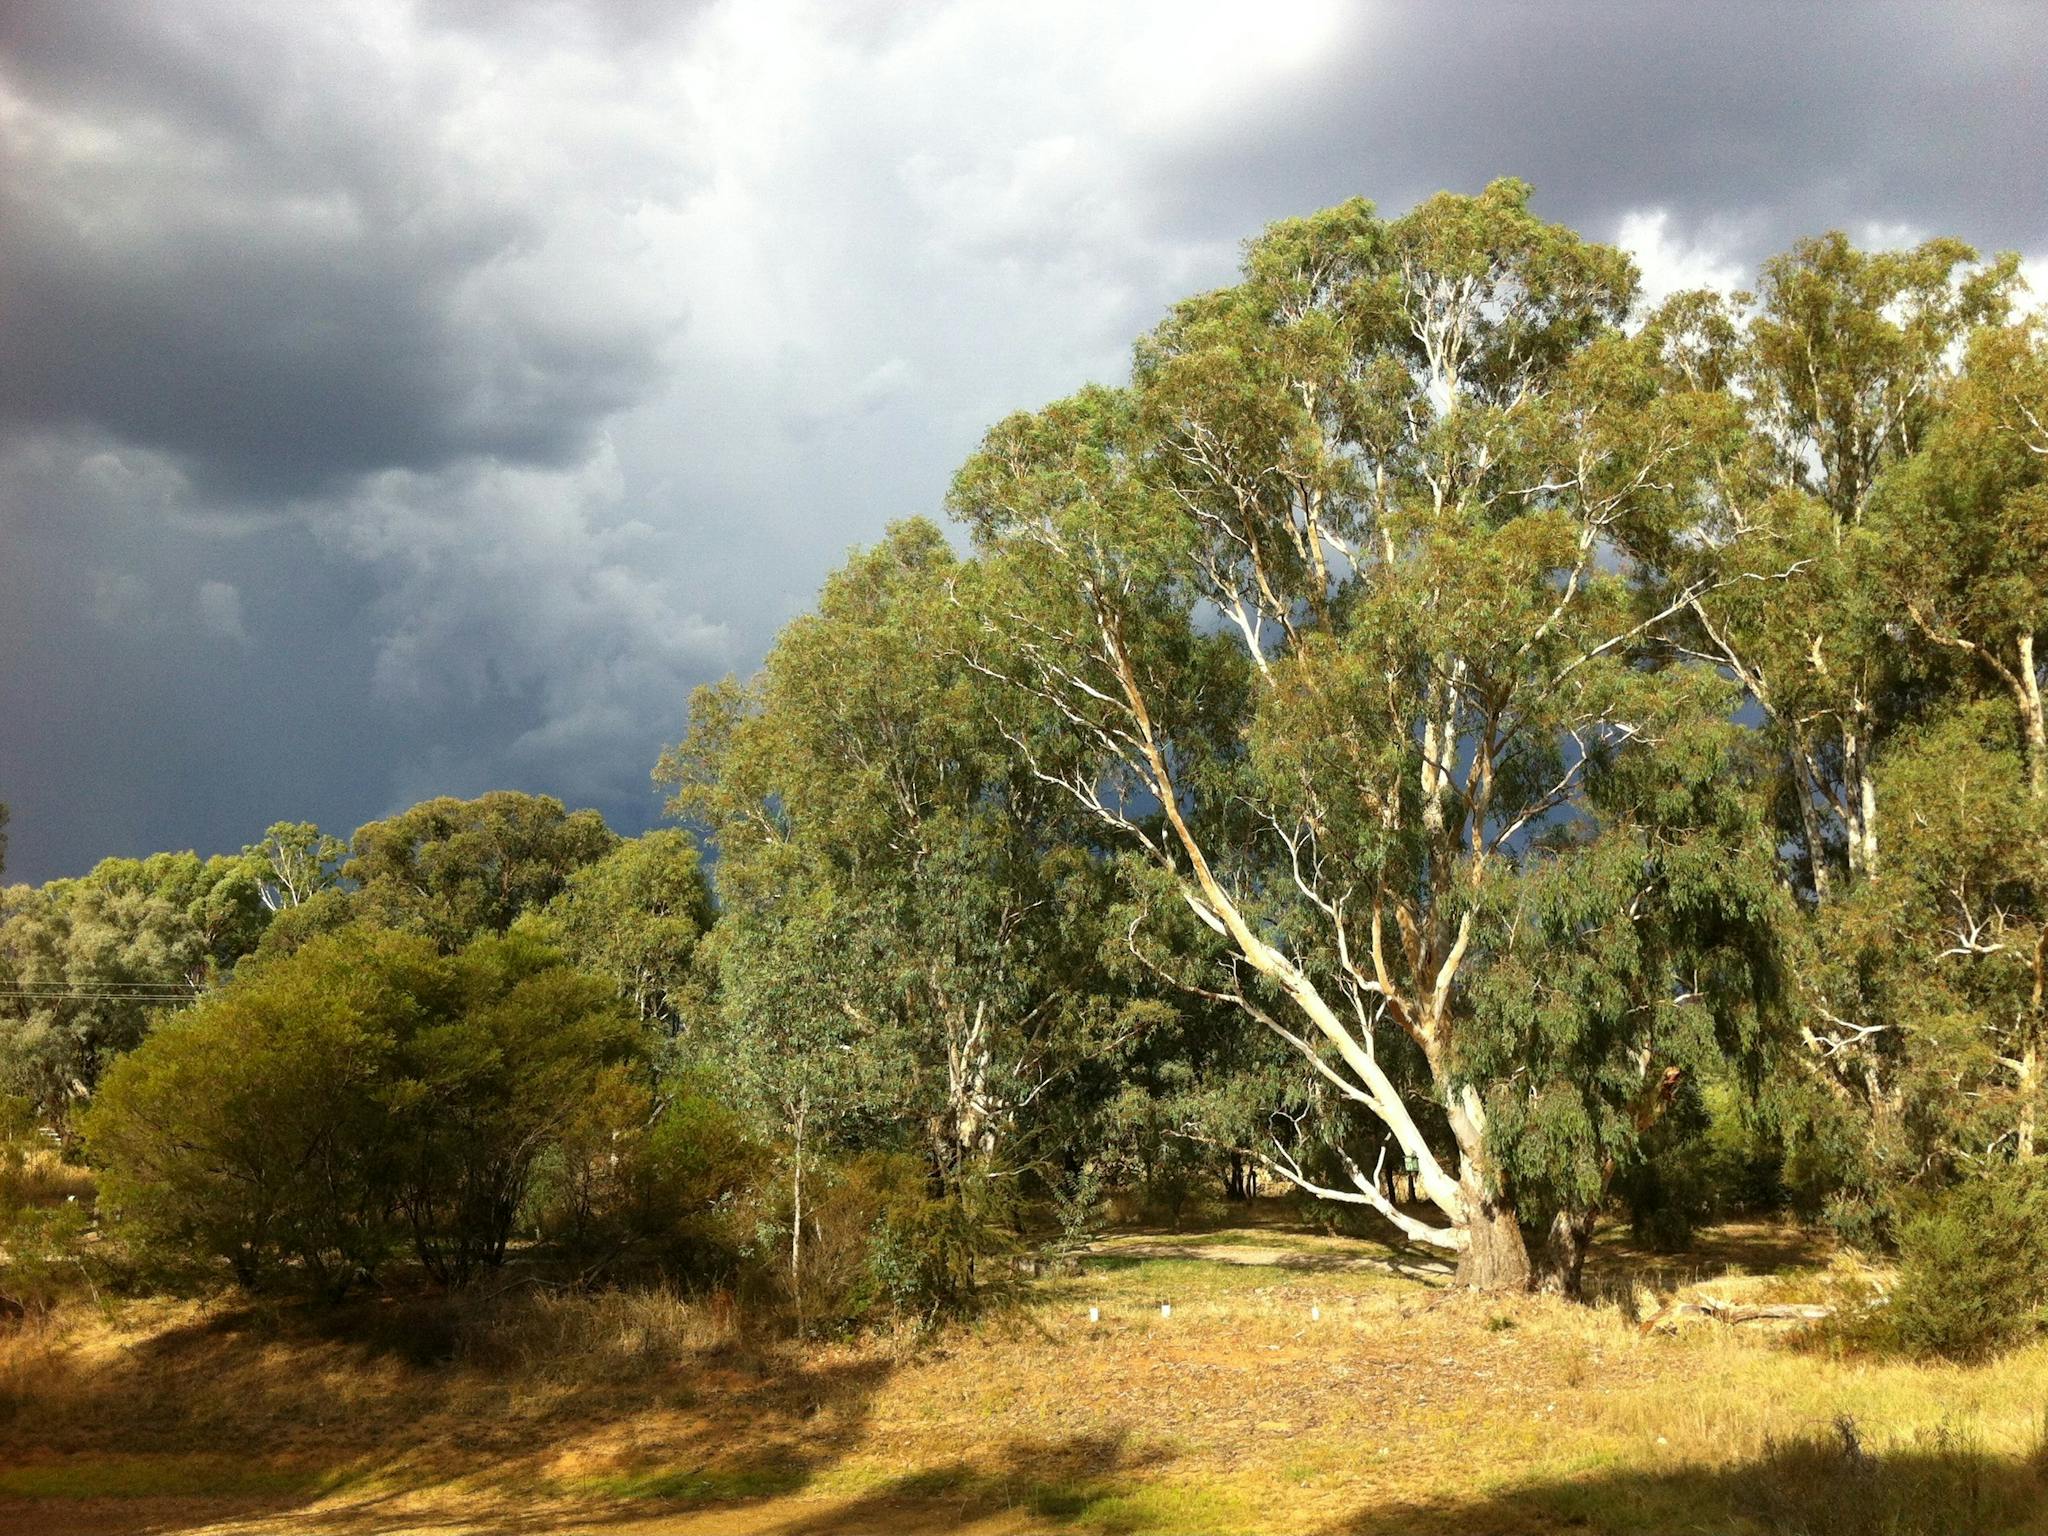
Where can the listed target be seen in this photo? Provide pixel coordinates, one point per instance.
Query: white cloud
(1671, 262)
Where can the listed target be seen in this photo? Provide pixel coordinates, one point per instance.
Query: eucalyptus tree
(1841, 372)
(636, 917)
(295, 863)
(1952, 950)
(1961, 531)
(1838, 367)
(453, 869)
(899, 910)
(88, 964)
(1337, 609)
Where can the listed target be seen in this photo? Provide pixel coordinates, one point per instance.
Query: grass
(694, 1485)
(39, 1177)
(1319, 1401)
(131, 1477)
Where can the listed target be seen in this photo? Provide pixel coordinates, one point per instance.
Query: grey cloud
(1783, 119)
(291, 269)
(220, 611)
(502, 370)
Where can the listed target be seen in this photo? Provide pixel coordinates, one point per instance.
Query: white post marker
(1095, 1314)
(1315, 1314)
(1166, 1309)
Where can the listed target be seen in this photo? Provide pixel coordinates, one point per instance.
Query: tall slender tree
(1345, 598)
(886, 865)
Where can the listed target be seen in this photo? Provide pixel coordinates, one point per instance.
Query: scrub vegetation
(1462, 857)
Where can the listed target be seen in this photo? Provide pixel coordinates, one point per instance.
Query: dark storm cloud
(285, 280)
(416, 396)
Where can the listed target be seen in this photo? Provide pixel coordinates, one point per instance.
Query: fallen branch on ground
(1668, 1317)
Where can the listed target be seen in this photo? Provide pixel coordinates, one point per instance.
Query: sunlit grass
(1329, 1401)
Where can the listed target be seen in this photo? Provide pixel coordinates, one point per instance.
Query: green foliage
(1433, 713)
(636, 917)
(46, 1210)
(888, 1248)
(1973, 1267)
(93, 962)
(1890, 450)
(452, 869)
(295, 863)
(508, 1046)
(1358, 583)
(304, 1121)
(1646, 931)
(906, 941)
(640, 1181)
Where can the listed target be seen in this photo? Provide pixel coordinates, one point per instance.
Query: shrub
(1973, 1267)
(247, 1129)
(880, 1244)
(512, 1046)
(47, 1256)
(306, 1120)
(1080, 1207)
(924, 1253)
(640, 1181)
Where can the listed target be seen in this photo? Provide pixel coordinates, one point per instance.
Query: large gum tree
(1350, 595)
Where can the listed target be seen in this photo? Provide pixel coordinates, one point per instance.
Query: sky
(417, 397)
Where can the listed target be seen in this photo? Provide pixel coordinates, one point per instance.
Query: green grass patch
(1140, 1509)
(141, 1477)
(696, 1485)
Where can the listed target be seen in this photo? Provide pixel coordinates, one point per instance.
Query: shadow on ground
(369, 1418)
(1826, 1486)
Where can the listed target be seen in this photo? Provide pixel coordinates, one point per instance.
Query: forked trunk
(1496, 1259)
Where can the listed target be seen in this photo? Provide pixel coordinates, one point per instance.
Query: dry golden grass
(39, 1177)
(1403, 1407)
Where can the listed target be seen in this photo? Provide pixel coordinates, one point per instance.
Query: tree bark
(1809, 821)
(796, 1221)
(2030, 1049)
(2033, 725)
(1563, 1267)
(2029, 1092)
(1496, 1258)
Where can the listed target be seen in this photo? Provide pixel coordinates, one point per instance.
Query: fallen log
(1712, 1309)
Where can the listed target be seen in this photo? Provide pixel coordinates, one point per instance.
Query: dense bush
(362, 1094)
(646, 1181)
(881, 1244)
(1707, 1158)
(1973, 1270)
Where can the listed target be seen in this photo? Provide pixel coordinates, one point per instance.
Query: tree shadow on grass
(360, 1420)
(1824, 1485)
(1621, 1259)
(1054, 1483)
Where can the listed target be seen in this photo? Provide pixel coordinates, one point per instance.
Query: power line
(112, 994)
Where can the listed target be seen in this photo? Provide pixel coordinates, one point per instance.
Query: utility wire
(112, 994)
